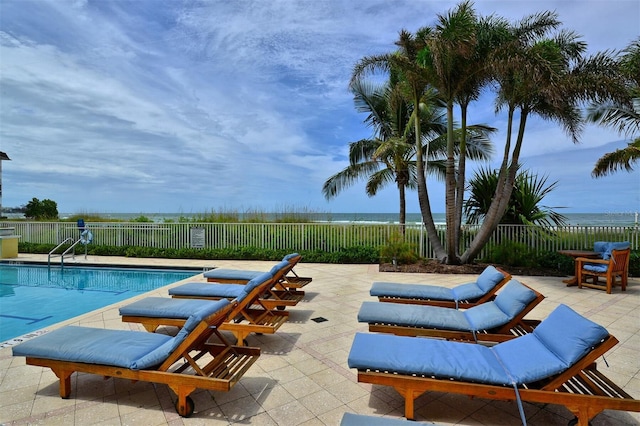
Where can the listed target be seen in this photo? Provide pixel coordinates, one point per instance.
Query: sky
(148, 106)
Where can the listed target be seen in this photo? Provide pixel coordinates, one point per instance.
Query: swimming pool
(34, 296)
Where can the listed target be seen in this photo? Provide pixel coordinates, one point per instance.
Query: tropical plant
(388, 115)
(622, 114)
(524, 206)
(402, 64)
(389, 156)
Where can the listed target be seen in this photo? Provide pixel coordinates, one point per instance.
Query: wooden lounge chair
(193, 359)
(462, 296)
(274, 297)
(554, 364)
(249, 315)
(613, 267)
(494, 321)
(290, 280)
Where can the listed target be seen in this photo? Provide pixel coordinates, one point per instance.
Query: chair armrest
(581, 260)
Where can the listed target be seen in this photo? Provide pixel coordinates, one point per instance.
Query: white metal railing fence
(329, 237)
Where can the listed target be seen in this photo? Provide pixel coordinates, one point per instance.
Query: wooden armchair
(614, 270)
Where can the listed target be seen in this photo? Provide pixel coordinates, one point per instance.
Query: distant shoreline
(574, 219)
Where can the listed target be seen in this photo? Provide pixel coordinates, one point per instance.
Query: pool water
(34, 296)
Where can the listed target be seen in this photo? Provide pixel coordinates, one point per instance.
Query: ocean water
(582, 219)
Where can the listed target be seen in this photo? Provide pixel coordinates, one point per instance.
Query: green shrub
(554, 260)
(634, 264)
(510, 253)
(398, 251)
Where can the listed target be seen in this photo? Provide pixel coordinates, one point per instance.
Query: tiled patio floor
(302, 377)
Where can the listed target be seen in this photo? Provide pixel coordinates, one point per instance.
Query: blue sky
(195, 106)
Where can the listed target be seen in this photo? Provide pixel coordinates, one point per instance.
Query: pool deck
(302, 377)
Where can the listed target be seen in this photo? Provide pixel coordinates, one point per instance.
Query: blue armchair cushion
(194, 289)
(605, 248)
(601, 246)
(595, 267)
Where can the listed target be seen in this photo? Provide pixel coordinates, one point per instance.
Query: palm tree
(445, 57)
(403, 65)
(389, 157)
(524, 204)
(622, 114)
(544, 76)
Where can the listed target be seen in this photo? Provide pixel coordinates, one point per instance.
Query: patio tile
(302, 377)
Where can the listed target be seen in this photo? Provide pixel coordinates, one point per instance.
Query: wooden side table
(573, 281)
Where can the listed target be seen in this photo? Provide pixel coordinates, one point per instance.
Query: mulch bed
(434, 266)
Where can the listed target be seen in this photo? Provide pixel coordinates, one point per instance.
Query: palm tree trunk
(450, 192)
(423, 195)
(503, 192)
(462, 160)
(403, 208)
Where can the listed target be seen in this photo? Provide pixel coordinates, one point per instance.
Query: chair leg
(579, 277)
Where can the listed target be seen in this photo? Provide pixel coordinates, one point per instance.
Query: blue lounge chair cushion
(430, 357)
(469, 291)
(278, 266)
(202, 313)
(489, 278)
(568, 334)
(136, 350)
(120, 348)
(564, 338)
(257, 281)
(231, 274)
(486, 281)
(195, 289)
(513, 298)
(163, 307)
(290, 256)
(350, 419)
(413, 315)
(244, 275)
(485, 316)
(413, 291)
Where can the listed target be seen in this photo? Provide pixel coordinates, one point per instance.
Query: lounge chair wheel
(574, 422)
(280, 308)
(190, 406)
